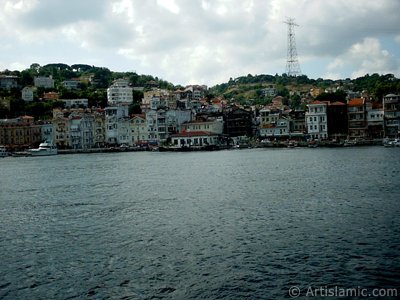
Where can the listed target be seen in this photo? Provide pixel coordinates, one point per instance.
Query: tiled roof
(356, 102)
(338, 103)
(318, 102)
(139, 116)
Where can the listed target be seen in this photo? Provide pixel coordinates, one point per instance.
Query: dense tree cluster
(248, 88)
(95, 89)
(245, 89)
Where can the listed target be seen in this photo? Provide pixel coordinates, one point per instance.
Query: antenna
(292, 63)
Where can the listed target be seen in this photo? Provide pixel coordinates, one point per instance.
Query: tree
(295, 101)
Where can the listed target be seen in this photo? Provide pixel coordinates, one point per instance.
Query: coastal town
(188, 118)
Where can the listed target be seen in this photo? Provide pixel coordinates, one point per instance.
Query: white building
(75, 103)
(81, 131)
(317, 120)
(47, 131)
(44, 82)
(27, 94)
(269, 91)
(120, 93)
(195, 138)
(71, 84)
(280, 129)
(115, 124)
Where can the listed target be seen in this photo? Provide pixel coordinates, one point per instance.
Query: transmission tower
(292, 63)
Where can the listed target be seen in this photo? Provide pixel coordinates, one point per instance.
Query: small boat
(394, 143)
(350, 143)
(45, 149)
(4, 152)
(312, 144)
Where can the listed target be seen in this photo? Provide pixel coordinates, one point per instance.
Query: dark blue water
(207, 225)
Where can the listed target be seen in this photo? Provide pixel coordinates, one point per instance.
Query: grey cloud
(47, 14)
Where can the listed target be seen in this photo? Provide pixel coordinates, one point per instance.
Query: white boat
(4, 152)
(45, 149)
(394, 143)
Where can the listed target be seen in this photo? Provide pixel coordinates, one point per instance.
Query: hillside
(245, 90)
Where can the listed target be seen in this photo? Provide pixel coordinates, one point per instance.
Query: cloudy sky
(203, 41)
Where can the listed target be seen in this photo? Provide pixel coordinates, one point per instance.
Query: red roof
(337, 103)
(318, 102)
(356, 102)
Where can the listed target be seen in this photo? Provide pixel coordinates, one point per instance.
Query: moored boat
(394, 143)
(45, 149)
(4, 152)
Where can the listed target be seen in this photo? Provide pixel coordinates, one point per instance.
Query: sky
(203, 41)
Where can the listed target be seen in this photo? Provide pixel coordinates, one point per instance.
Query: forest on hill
(247, 90)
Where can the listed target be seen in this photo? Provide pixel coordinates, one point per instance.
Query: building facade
(357, 118)
(119, 93)
(317, 120)
(391, 110)
(44, 82)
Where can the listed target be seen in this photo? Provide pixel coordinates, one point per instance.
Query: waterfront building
(375, 120)
(297, 123)
(174, 118)
(357, 118)
(139, 131)
(46, 130)
(194, 138)
(213, 126)
(61, 128)
(27, 94)
(317, 120)
(269, 116)
(79, 128)
(44, 82)
(151, 121)
(81, 131)
(19, 133)
(116, 118)
(99, 134)
(120, 93)
(391, 107)
(273, 124)
(337, 120)
(237, 121)
(157, 127)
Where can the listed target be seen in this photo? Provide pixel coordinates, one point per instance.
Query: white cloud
(207, 41)
(169, 5)
(364, 57)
